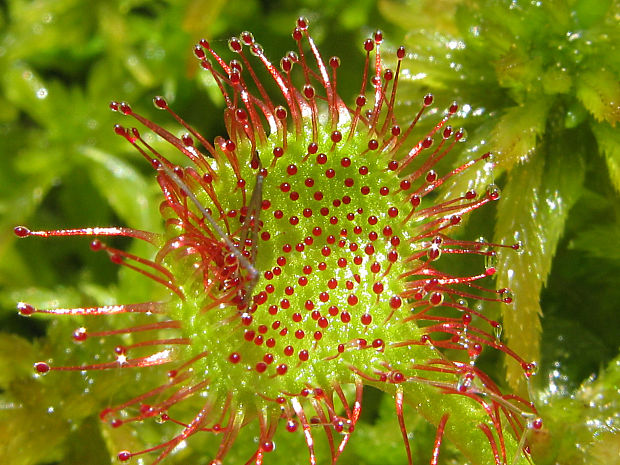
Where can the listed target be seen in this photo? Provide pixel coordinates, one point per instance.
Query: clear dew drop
(474, 351)
(463, 384)
(247, 37)
(436, 298)
(494, 192)
(521, 248)
(490, 261)
(256, 49)
(489, 164)
(497, 331)
(483, 247)
(434, 252)
(535, 423)
(41, 368)
(532, 368)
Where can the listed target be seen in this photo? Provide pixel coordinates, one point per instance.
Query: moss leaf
(535, 205)
(608, 140)
(582, 428)
(599, 91)
(516, 134)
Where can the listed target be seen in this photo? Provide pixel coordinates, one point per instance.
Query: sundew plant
(311, 258)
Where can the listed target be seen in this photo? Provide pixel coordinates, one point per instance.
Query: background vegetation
(542, 85)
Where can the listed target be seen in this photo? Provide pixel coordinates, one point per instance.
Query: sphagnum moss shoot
(300, 258)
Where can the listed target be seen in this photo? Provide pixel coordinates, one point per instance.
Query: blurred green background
(541, 84)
